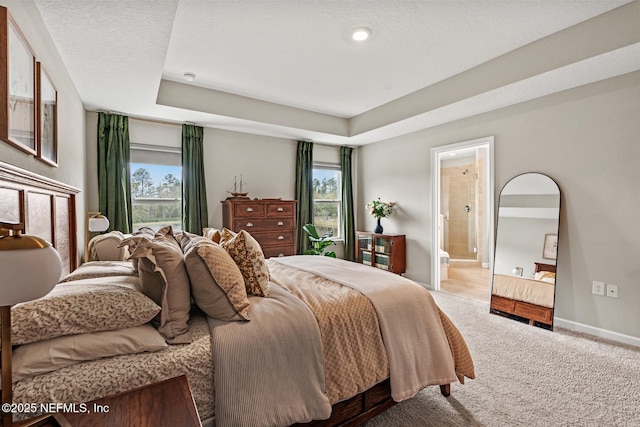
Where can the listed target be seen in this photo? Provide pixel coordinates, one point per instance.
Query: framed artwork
(17, 87)
(550, 248)
(47, 117)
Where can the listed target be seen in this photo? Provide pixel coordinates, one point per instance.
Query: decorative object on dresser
(238, 192)
(272, 222)
(384, 251)
(21, 282)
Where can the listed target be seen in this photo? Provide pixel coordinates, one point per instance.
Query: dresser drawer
(277, 251)
(276, 209)
(270, 238)
(248, 209)
(260, 224)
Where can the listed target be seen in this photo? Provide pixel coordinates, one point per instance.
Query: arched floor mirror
(524, 272)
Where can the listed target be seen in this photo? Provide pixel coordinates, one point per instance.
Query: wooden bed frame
(534, 313)
(48, 210)
(362, 407)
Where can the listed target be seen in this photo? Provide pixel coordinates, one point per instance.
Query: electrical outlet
(597, 288)
(612, 291)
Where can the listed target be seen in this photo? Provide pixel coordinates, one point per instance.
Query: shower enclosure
(461, 208)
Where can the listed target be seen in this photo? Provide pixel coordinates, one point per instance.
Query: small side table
(165, 403)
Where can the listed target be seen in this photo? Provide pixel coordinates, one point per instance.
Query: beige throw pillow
(217, 285)
(247, 254)
(164, 279)
(52, 354)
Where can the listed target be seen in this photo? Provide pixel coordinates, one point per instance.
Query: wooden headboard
(45, 206)
(545, 267)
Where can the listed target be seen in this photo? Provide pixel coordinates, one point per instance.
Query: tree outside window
(327, 199)
(156, 191)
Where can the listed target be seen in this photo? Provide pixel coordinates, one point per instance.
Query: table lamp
(96, 223)
(29, 269)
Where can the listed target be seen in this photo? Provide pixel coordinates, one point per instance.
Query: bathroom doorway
(462, 176)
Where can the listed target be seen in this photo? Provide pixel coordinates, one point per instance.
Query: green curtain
(114, 173)
(194, 193)
(304, 193)
(348, 221)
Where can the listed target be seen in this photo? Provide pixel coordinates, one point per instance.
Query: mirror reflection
(524, 272)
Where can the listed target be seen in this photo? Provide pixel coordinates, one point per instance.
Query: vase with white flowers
(379, 209)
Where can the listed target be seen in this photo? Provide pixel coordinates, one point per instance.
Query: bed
(307, 353)
(530, 299)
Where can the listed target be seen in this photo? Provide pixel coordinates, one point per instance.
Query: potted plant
(318, 243)
(379, 209)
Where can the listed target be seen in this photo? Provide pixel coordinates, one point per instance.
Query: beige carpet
(527, 376)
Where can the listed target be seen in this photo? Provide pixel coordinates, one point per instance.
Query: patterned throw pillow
(217, 285)
(248, 256)
(82, 306)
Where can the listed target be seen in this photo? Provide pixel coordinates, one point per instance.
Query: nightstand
(165, 403)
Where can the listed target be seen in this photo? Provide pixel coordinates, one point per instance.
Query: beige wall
(267, 164)
(587, 140)
(71, 123)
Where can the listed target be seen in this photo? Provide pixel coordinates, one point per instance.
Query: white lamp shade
(28, 274)
(98, 223)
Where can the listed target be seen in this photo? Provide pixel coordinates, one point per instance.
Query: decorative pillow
(247, 254)
(226, 235)
(212, 233)
(95, 269)
(106, 247)
(217, 284)
(164, 279)
(185, 238)
(52, 354)
(82, 306)
(132, 242)
(545, 276)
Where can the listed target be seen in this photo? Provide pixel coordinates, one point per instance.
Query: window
(156, 187)
(327, 198)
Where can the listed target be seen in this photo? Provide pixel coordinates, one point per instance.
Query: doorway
(463, 211)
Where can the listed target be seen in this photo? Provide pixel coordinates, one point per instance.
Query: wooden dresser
(272, 222)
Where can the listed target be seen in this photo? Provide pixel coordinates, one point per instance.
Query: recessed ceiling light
(360, 34)
(189, 77)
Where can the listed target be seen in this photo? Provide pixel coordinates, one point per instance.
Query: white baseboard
(598, 332)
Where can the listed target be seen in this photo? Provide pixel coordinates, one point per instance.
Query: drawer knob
(249, 224)
(249, 209)
(280, 223)
(280, 209)
(280, 237)
(280, 255)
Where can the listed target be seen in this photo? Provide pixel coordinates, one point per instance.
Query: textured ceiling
(129, 56)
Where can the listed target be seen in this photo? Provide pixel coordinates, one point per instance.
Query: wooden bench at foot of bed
(362, 407)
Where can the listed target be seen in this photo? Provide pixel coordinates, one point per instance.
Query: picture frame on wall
(17, 87)
(47, 147)
(550, 248)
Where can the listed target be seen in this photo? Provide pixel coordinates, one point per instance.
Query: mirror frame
(524, 311)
